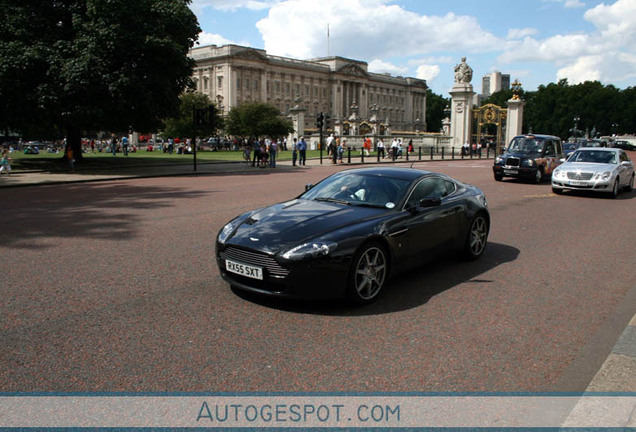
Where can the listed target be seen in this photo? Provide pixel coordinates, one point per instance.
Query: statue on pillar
(463, 72)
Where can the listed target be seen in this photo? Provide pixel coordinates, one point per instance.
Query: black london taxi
(529, 157)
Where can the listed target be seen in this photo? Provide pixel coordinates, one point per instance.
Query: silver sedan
(595, 169)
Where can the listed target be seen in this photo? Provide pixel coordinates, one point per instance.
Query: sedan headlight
(227, 231)
(309, 250)
(602, 176)
(557, 173)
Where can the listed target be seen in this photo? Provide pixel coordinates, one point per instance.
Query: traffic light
(320, 120)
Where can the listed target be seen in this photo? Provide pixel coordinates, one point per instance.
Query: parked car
(569, 148)
(529, 157)
(595, 169)
(625, 145)
(345, 236)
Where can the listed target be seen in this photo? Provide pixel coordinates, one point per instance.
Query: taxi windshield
(525, 145)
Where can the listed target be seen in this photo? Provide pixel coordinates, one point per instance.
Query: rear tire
(477, 237)
(369, 271)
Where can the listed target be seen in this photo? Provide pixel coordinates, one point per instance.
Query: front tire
(477, 237)
(538, 176)
(630, 185)
(369, 273)
(615, 189)
(498, 177)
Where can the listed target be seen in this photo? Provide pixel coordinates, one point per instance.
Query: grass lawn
(97, 161)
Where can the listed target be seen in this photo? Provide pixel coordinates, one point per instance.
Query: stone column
(461, 114)
(514, 121)
(298, 120)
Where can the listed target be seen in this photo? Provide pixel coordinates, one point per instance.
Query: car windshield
(525, 145)
(358, 189)
(606, 157)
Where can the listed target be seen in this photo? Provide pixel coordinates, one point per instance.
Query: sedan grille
(574, 175)
(512, 162)
(256, 259)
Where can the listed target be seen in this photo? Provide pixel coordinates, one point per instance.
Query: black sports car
(347, 234)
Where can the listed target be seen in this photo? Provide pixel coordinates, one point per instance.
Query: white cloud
(212, 39)
(568, 4)
(233, 5)
(427, 72)
(521, 33)
(366, 29)
(379, 66)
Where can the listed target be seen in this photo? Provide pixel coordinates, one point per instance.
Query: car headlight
(227, 231)
(603, 176)
(557, 173)
(529, 162)
(498, 160)
(309, 250)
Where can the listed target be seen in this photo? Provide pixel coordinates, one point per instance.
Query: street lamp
(575, 131)
(614, 128)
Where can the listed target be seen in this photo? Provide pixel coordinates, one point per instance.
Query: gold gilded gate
(490, 114)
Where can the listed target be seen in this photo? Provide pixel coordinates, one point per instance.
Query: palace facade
(342, 88)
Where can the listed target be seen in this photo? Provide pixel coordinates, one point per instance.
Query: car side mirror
(430, 202)
(308, 186)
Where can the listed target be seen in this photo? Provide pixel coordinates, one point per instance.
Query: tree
(435, 110)
(85, 65)
(257, 120)
(182, 124)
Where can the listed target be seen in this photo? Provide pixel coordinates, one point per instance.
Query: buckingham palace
(342, 88)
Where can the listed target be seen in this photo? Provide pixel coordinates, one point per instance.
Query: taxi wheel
(538, 176)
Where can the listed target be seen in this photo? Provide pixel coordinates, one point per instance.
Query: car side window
(549, 149)
(430, 187)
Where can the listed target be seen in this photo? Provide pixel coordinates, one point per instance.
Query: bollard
(442, 153)
(432, 153)
(349, 155)
(453, 153)
(420, 153)
(362, 155)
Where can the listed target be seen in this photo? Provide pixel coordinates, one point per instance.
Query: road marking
(544, 195)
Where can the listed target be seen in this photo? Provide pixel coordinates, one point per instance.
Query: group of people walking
(263, 153)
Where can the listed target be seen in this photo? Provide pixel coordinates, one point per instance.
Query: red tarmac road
(113, 287)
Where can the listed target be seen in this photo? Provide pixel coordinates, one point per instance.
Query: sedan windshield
(606, 157)
(525, 145)
(356, 189)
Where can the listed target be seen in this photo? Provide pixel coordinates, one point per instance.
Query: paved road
(111, 286)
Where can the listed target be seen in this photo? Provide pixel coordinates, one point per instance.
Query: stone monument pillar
(297, 115)
(515, 114)
(462, 96)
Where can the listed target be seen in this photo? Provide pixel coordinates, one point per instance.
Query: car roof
(608, 149)
(394, 172)
(540, 136)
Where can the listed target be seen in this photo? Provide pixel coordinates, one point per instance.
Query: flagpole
(327, 39)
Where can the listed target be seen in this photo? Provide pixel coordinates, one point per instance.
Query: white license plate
(577, 183)
(511, 171)
(244, 269)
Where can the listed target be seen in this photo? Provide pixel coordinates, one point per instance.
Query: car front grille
(574, 175)
(256, 259)
(512, 162)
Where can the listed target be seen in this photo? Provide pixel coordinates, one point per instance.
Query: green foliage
(93, 64)
(552, 108)
(435, 110)
(181, 125)
(257, 120)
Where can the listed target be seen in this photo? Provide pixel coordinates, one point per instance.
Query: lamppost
(615, 128)
(575, 131)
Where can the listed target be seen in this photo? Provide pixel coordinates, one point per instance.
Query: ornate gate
(490, 114)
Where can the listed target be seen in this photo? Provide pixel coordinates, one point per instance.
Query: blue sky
(535, 41)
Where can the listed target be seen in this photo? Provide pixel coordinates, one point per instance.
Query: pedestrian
(341, 149)
(273, 149)
(70, 158)
(294, 151)
(302, 151)
(334, 151)
(124, 145)
(380, 149)
(113, 145)
(5, 164)
(256, 146)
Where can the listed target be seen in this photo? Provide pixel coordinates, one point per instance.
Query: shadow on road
(101, 211)
(406, 291)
